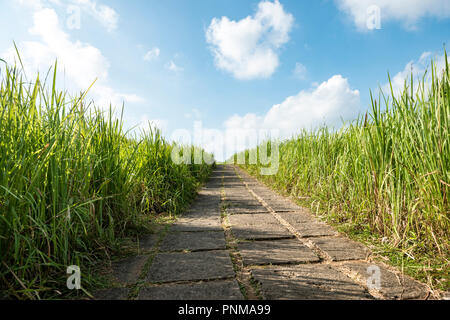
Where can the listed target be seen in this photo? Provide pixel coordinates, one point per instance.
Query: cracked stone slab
(205, 212)
(297, 217)
(240, 199)
(205, 265)
(214, 183)
(242, 211)
(341, 249)
(281, 205)
(309, 228)
(211, 205)
(127, 270)
(112, 294)
(393, 286)
(234, 191)
(307, 282)
(193, 241)
(314, 229)
(204, 199)
(245, 209)
(243, 206)
(213, 290)
(269, 194)
(197, 224)
(257, 226)
(271, 197)
(259, 188)
(276, 252)
(148, 242)
(208, 194)
(244, 202)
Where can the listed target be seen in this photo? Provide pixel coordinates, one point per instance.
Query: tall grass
(72, 182)
(387, 172)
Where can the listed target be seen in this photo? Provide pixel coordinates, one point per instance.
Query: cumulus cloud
(79, 64)
(330, 103)
(248, 48)
(409, 12)
(173, 67)
(104, 14)
(152, 54)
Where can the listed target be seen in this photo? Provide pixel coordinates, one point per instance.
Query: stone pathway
(240, 240)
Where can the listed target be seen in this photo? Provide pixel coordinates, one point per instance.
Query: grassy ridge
(386, 174)
(72, 183)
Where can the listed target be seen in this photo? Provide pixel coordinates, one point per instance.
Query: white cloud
(418, 69)
(79, 64)
(409, 12)
(32, 4)
(173, 67)
(152, 54)
(248, 48)
(300, 71)
(106, 15)
(330, 103)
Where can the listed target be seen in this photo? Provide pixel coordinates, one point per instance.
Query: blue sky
(259, 65)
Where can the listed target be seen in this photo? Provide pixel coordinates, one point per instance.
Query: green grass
(384, 176)
(73, 183)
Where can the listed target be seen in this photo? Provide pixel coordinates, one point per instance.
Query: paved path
(240, 240)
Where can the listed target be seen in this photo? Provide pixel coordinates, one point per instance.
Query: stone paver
(197, 224)
(243, 202)
(202, 212)
(246, 209)
(287, 251)
(341, 249)
(127, 270)
(281, 205)
(296, 217)
(392, 286)
(148, 242)
(213, 290)
(307, 282)
(193, 241)
(313, 229)
(257, 226)
(169, 267)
